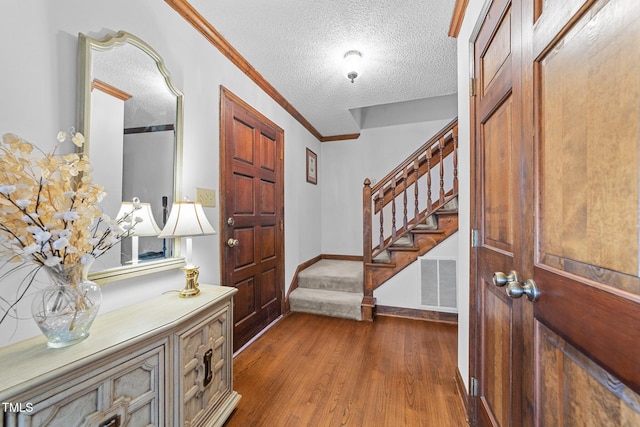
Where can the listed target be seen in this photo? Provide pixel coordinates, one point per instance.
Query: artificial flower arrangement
(49, 208)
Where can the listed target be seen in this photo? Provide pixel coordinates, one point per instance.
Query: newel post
(366, 217)
(368, 302)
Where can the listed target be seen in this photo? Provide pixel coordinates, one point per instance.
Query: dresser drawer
(127, 391)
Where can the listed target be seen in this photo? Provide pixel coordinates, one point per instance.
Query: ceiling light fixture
(352, 60)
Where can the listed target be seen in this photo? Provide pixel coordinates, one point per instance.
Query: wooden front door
(571, 358)
(252, 215)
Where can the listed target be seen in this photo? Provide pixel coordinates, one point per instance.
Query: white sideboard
(163, 362)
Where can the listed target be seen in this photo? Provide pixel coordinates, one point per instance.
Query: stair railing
(412, 178)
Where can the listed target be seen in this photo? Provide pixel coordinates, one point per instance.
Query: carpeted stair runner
(331, 288)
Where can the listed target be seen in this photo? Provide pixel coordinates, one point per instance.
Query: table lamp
(187, 220)
(139, 215)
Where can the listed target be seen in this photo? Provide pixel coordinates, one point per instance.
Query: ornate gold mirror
(131, 116)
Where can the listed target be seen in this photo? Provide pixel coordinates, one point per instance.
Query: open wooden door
(585, 68)
(252, 215)
(500, 217)
(558, 342)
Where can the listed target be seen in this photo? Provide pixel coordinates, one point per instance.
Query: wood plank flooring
(310, 370)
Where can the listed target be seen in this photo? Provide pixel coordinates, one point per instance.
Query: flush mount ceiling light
(352, 62)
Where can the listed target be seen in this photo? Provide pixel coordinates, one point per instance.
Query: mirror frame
(86, 45)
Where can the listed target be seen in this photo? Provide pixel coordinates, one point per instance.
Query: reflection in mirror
(131, 116)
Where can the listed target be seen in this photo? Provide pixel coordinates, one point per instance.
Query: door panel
(571, 382)
(252, 216)
(589, 106)
(498, 167)
(497, 362)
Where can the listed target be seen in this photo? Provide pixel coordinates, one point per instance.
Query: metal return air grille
(438, 284)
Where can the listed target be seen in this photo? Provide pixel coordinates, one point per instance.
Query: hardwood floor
(310, 370)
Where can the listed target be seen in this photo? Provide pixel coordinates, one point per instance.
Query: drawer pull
(114, 421)
(208, 375)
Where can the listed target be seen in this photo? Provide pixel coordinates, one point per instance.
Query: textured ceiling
(298, 47)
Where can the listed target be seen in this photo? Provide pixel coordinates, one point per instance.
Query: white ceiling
(298, 47)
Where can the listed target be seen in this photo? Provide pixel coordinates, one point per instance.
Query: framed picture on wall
(312, 167)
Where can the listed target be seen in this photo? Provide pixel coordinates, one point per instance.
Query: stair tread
(447, 212)
(382, 257)
(395, 248)
(338, 275)
(426, 231)
(327, 302)
(334, 268)
(329, 294)
(403, 241)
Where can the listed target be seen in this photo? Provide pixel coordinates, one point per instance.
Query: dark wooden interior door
(499, 219)
(569, 151)
(585, 70)
(252, 209)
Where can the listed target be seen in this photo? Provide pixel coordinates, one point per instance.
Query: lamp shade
(186, 219)
(146, 227)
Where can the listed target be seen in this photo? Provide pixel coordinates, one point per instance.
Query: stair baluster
(393, 209)
(442, 192)
(381, 207)
(416, 190)
(429, 202)
(404, 199)
(455, 160)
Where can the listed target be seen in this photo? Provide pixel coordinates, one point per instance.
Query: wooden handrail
(441, 135)
(423, 165)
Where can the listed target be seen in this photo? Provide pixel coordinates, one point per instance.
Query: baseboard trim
(258, 335)
(412, 313)
(294, 281)
(342, 257)
(462, 392)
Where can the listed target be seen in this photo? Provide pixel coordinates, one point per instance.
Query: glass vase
(65, 310)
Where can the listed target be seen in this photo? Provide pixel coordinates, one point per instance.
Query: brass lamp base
(191, 285)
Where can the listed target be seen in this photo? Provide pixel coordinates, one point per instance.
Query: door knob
(529, 288)
(232, 243)
(500, 279)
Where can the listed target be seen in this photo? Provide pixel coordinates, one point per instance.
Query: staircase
(331, 288)
(414, 208)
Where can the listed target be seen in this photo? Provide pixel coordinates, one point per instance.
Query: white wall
(343, 169)
(472, 14)
(403, 289)
(107, 122)
(38, 86)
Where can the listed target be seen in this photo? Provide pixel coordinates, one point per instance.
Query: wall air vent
(437, 278)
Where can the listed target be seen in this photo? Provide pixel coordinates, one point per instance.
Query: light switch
(206, 197)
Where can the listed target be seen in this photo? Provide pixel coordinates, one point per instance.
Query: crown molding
(110, 90)
(344, 137)
(458, 15)
(192, 16)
